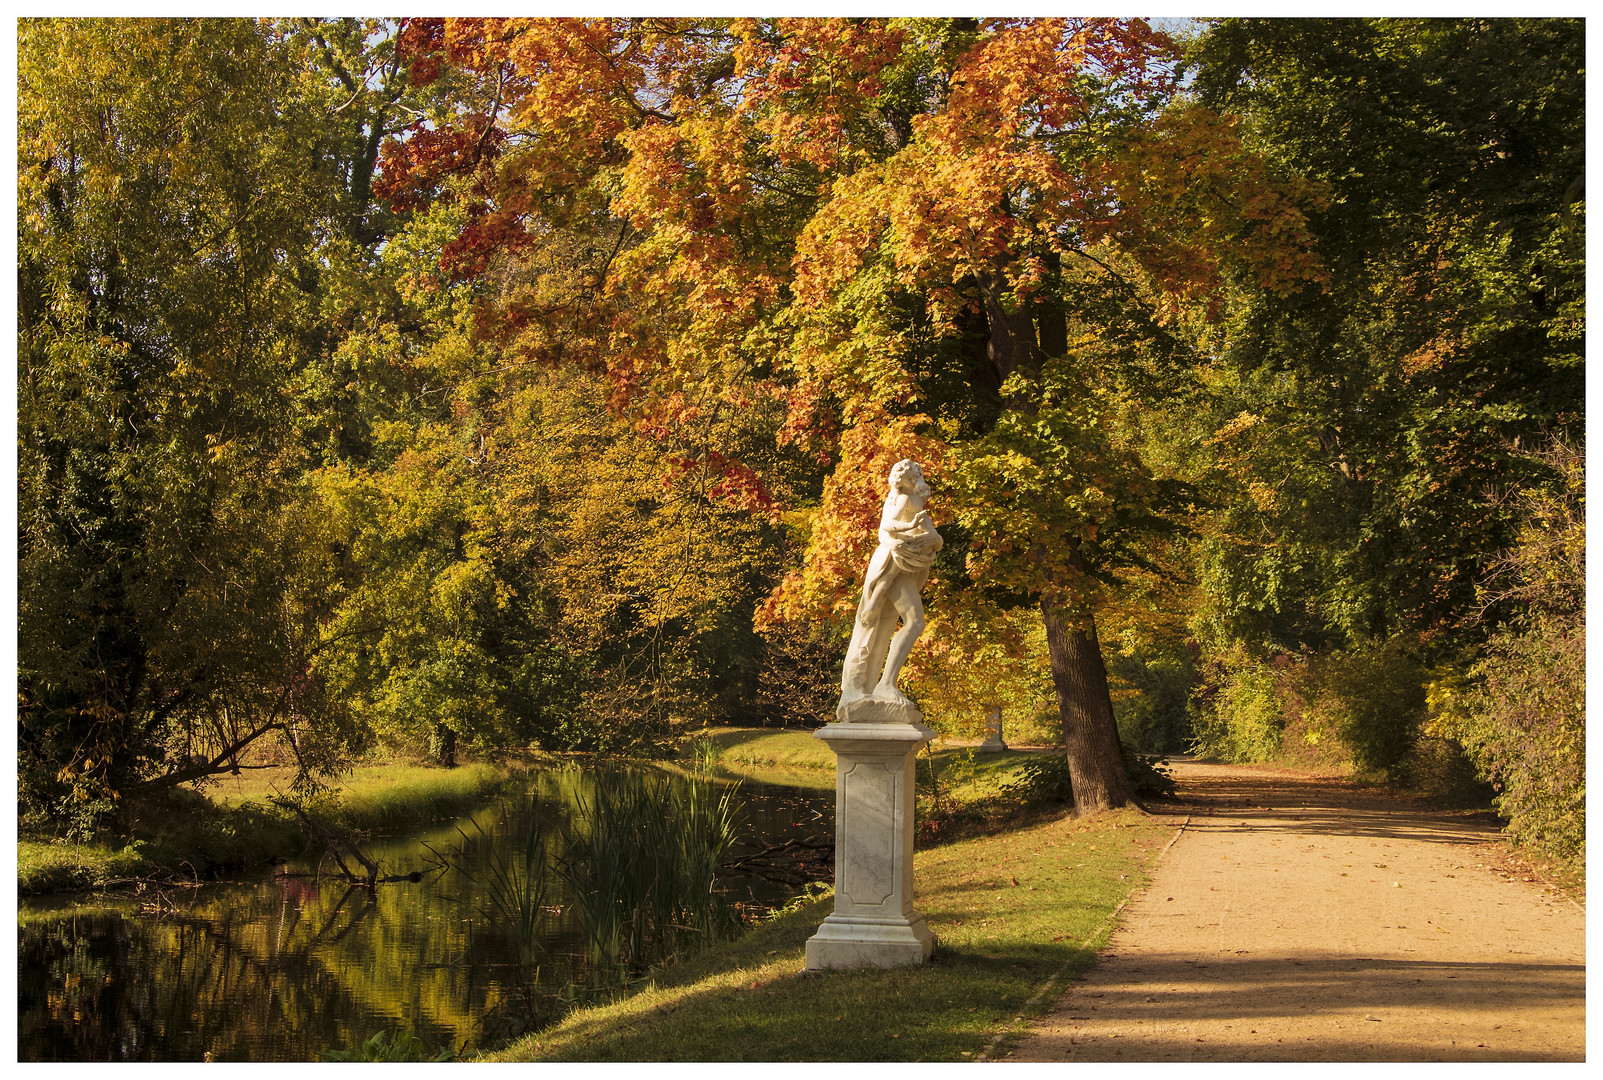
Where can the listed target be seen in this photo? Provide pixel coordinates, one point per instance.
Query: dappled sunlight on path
(1304, 918)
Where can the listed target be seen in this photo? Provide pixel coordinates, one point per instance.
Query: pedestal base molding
(848, 941)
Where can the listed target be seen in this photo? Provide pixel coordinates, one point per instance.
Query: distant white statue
(900, 566)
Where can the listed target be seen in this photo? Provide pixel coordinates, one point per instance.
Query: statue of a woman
(900, 566)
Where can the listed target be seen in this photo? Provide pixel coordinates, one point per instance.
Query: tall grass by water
(638, 858)
(643, 861)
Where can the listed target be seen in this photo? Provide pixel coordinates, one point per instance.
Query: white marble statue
(900, 566)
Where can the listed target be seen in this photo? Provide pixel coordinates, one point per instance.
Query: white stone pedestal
(993, 743)
(874, 924)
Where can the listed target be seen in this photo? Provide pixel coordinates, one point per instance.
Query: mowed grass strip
(1009, 910)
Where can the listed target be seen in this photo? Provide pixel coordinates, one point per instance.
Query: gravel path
(1301, 918)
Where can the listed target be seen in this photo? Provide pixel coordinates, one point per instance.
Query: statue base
(878, 710)
(874, 924)
(847, 941)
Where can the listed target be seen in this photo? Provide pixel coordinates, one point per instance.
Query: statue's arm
(892, 523)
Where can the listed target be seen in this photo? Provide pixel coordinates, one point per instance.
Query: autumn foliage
(537, 379)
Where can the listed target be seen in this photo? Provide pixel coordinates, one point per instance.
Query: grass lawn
(238, 827)
(381, 795)
(1009, 910)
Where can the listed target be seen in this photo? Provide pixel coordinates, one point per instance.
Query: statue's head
(906, 475)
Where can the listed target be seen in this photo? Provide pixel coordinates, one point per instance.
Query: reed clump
(643, 861)
(639, 854)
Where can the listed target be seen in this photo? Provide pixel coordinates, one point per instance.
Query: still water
(284, 967)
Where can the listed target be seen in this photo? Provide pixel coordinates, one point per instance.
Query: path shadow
(1320, 806)
(1258, 1008)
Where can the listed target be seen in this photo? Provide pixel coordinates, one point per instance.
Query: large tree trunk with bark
(1090, 737)
(1020, 340)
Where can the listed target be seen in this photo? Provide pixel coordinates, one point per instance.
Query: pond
(290, 965)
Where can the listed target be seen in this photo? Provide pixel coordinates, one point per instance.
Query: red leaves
(410, 172)
(486, 235)
(733, 482)
(421, 43)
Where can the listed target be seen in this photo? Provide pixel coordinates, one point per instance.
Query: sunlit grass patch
(794, 749)
(188, 834)
(1010, 910)
(43, 866)
(381, 795)
(397, 795)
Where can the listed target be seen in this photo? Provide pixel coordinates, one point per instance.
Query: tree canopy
(516, 380)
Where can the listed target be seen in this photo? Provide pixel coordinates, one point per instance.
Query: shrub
(1237, 717)
(1043, 780)
(1370, 698)
(1522, 717)
(1524, 724)
(1149, 775)
(1440, 769)
(1149, 703)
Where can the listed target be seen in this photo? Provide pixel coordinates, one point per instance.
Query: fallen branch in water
(771, 863)
(338, 843)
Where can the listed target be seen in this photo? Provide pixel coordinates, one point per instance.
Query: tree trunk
(443, 743)
(1090, 737)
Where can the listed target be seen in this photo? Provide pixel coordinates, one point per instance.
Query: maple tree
(920, 237)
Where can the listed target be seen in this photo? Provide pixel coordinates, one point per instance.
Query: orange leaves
(846, 526)
(1002, 168)
(998, 85)
(811, 82)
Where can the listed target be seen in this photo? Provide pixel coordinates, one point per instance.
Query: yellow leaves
(1243, 421)
(1192, 199)
(1446, 704)
(628, 540)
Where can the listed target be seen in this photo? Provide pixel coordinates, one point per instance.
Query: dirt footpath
(1300, 918)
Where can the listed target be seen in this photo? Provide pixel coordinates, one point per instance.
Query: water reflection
(290, 966)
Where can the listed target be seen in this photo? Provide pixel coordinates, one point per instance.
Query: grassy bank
(44, 866)
(1010, 911)
(763, 755)
(190, 834)
(796, 758)
(377, 797)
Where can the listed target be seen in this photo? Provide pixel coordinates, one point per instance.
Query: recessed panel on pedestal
(869, 803)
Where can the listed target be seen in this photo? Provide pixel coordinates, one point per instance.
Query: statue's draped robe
(876, 622)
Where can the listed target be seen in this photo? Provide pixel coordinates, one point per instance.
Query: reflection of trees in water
(280, 972)
(290, 967)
